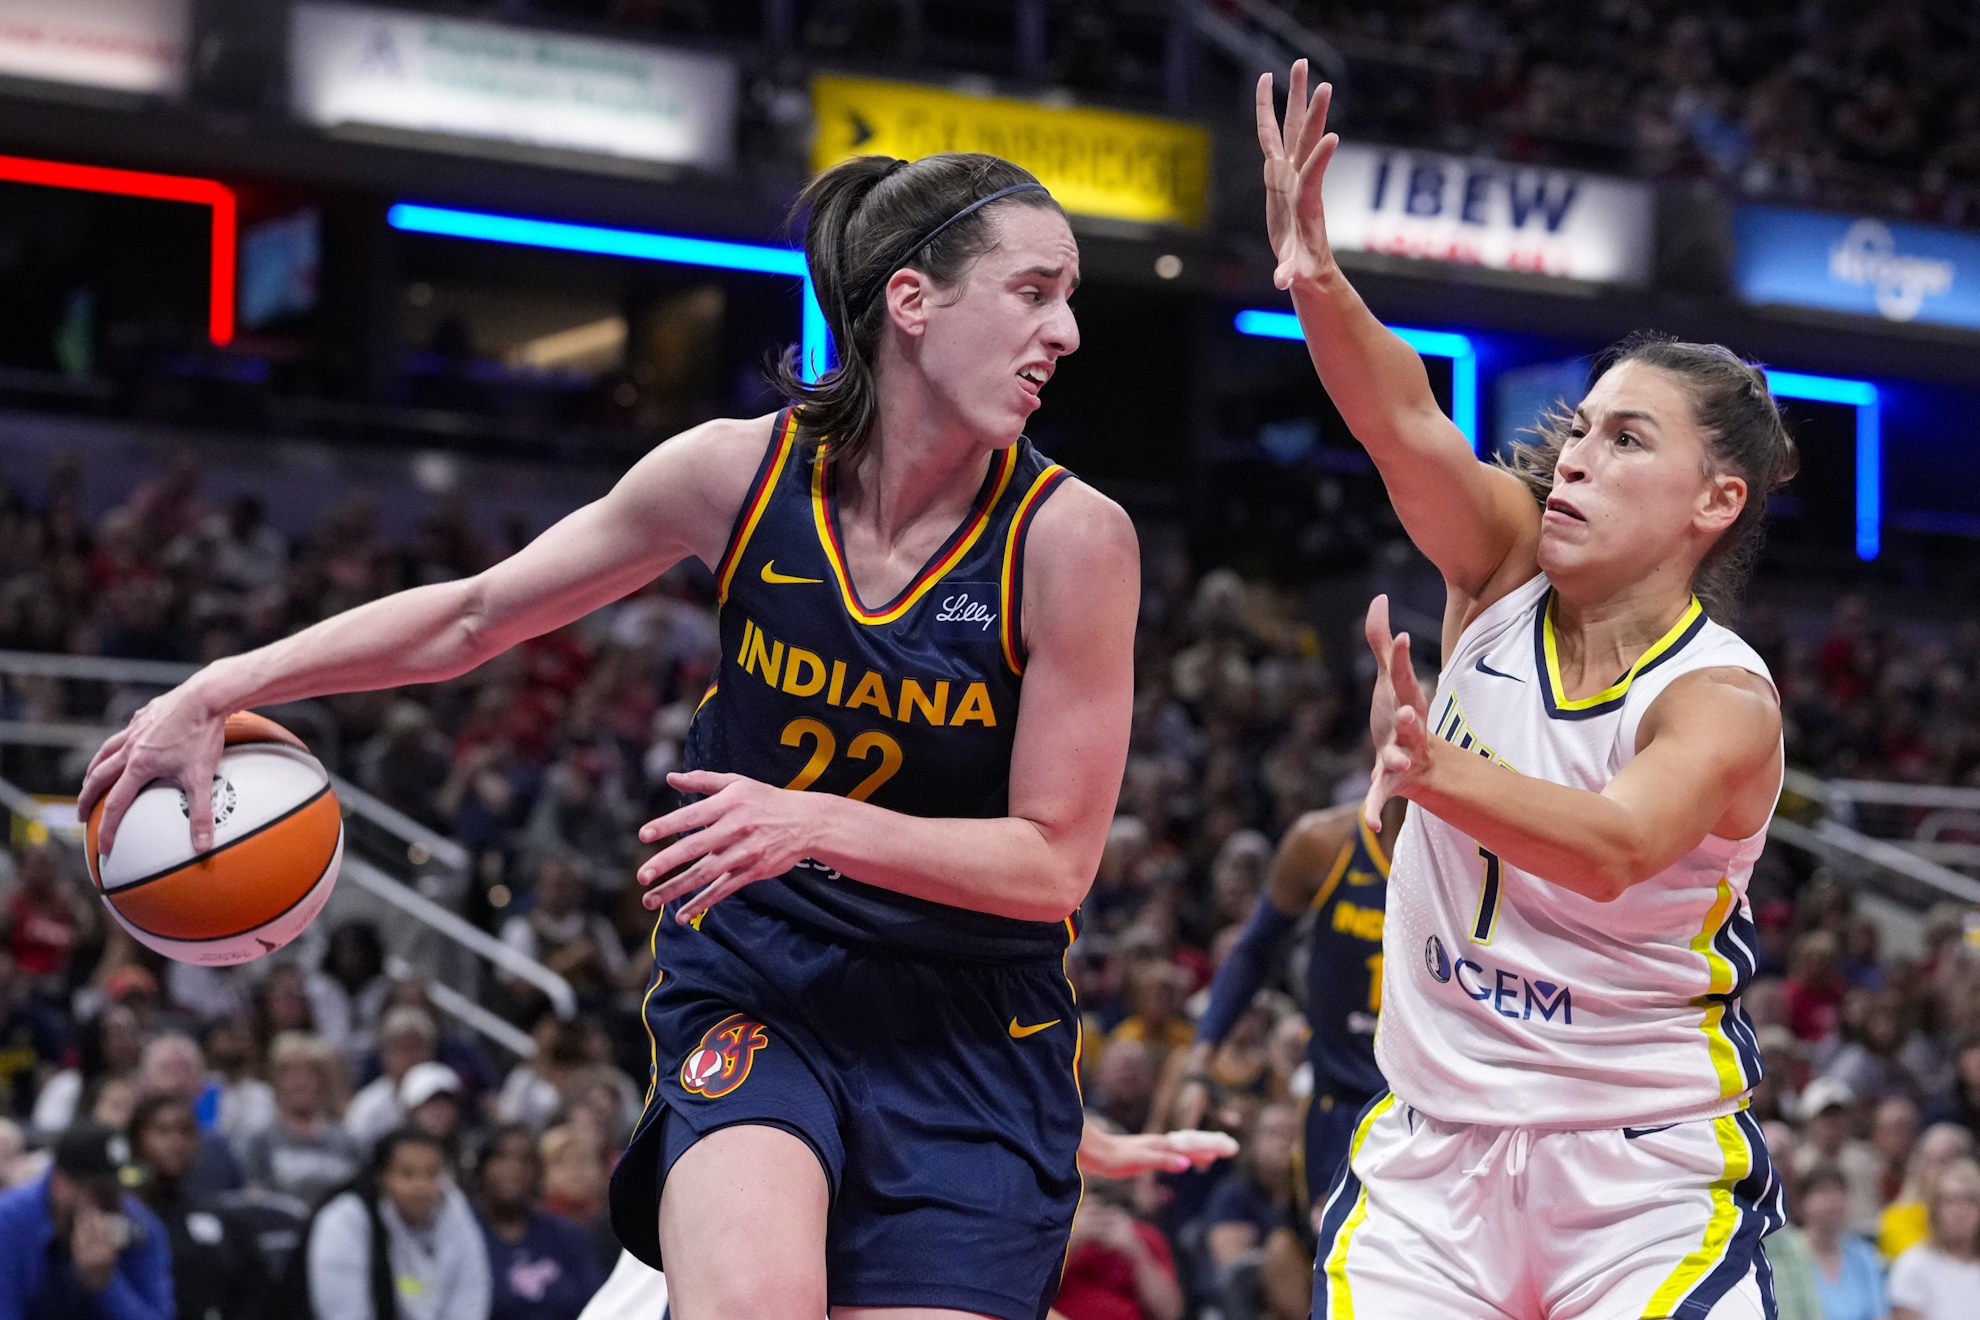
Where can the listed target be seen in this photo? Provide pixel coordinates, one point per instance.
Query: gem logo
(721, 1062)
(1436, 959)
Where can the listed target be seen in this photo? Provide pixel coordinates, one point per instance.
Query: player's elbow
(1620, 865)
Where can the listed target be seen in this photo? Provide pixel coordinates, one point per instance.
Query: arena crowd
(286, 1118)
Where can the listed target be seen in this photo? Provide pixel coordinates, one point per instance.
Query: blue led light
(638, 244)
(1458, 348)
(1863, 396)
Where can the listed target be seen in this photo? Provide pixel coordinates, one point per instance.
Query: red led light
(162, 187)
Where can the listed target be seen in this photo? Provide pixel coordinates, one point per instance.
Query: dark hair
(1823, 1175)
(1744, 437)
(866, 218)
(146, 1111)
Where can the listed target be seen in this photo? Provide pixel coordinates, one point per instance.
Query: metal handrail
(459, 1007)
(54, 664)
(438, 846)
(1830, 837)
(563, 1000)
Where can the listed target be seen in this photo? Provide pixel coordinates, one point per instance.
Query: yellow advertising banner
(1096, 162)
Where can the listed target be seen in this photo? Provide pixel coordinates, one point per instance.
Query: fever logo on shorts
(721, 1062)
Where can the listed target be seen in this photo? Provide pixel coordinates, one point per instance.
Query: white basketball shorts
(1455, 1222)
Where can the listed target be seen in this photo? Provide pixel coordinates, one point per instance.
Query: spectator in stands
(285, 1004)
(1815, 988)
(1827, 1107)
(30, 1041)
(1124, 1085)
(110, 1045)
(543, 1267)
(1849, 1277)
(1963, 1105)
(245, 1104)
(405, 764)
(574, 1185)
(1893, 1135)
(1906, 1221)
(435, 1264)
(1155, 995)
(216, 1273)
(1871, 1059)
(533, 1092)
(405, 1039)
(305, 1152)
(558, 931)
(1940, 1279)
(75, 1243)
(431, 1099)
(46, 918)
(1256, 1195)
(1117, 1266)
(171, 1065)
(349, 998)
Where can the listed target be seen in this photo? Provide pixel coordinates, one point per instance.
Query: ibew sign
(1869, 267)
(1489, 213)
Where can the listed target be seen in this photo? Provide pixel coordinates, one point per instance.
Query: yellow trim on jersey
(652, 1045)
(828, 538)
(1718, 1230)
(1013, 627)
(1615, 690)
(707, 696)
(760, 500)
(1721, 979)
(1333, 880)
(1374, 846)
(1340, 1298)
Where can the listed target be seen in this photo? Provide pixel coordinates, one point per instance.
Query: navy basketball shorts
(1331, 1116)
(940, 1096)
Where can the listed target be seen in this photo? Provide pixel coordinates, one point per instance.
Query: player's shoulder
(716, 460)
(1079, 520)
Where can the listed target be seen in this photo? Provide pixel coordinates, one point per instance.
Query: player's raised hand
(741, 831)
(1296, 157)
(1398, 717)
(171, 738)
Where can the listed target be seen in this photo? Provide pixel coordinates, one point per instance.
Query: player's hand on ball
(1295, 163)
(171, 737)
(1398, 718)
(741, 831)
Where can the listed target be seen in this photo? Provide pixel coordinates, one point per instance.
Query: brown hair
(866, 218)
(1744, 437)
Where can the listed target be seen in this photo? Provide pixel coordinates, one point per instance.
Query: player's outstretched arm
(679, 500)
(1107, 1154)
(1082, 592)
(1477, 524)
(1708, 762)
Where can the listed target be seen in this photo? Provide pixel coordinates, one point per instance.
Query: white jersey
(1513, 1002)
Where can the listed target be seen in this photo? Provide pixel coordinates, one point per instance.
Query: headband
(938, 230)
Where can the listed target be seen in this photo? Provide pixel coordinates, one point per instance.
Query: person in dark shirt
(1256, 1197)
(30, 1042)
(543, 1265)
(75, 1245)
(216, 1272)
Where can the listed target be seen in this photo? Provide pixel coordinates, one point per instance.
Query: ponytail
(866, 218)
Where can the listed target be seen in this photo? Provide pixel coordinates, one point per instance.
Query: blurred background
(302, 303)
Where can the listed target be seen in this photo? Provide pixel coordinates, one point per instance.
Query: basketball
(278, 839)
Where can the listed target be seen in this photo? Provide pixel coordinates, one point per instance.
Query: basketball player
(1566, 1134)
(1333, 865)
(864, 1048)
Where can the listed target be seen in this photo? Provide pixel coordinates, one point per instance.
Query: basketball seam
(335, 854)
(262, 828)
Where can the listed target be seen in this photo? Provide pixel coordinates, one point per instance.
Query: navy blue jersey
(910, 705)
(1344, 966)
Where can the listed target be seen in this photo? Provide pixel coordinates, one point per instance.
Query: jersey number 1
(1488, 900)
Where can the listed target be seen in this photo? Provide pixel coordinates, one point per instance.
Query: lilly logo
(1867, 254)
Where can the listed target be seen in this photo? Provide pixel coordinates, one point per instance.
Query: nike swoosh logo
(774, 578)
(1483, 668)
(1019, 1033)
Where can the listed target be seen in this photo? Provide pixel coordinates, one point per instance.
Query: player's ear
(909, 296)
(1724, 498)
